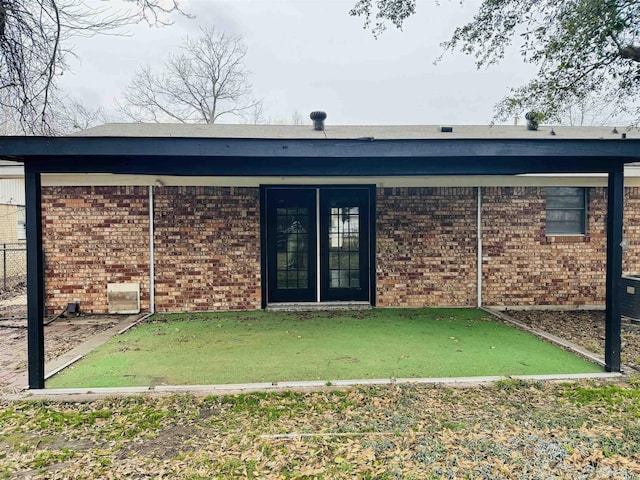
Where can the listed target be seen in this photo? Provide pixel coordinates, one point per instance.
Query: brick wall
(207, 247)
(93, 236)
(426, 247)
(524, 267)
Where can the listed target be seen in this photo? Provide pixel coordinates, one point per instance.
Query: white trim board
(591, 180)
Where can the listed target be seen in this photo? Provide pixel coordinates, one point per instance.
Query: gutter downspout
(152, 273)
(479, 234)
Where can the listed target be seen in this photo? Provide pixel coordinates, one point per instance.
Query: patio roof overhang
(195, 156)
(314, 157)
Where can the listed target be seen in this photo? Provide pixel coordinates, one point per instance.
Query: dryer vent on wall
(123, 298)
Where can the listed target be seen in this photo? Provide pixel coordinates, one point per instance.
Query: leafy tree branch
(581, 47)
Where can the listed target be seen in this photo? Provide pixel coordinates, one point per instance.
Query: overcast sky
(309, 55)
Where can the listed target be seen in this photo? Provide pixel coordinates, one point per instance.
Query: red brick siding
(426, 247)
(207, 243)
(524, 267)
(93, 236)
(207, 248)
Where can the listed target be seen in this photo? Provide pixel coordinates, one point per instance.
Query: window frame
(584, 209)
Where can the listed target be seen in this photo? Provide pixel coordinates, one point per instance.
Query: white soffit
(584, 180)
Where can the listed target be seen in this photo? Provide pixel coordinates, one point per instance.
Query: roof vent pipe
(532, 120)
(318, 118)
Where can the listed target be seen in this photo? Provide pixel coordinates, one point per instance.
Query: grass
(513, 429)
(240, 347)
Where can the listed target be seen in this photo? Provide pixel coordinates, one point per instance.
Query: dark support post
(615, 202)
(35, 278)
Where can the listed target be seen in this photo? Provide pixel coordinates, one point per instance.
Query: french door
(317, 244)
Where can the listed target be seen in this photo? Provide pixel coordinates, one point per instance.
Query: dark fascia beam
(313, 166)
(69, 147)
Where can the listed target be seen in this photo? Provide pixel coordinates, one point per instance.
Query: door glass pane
(293, 247)
(344, 252)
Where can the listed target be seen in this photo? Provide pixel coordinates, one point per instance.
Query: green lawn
(509, 430)
(239, 347)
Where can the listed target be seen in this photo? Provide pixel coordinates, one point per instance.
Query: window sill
(566, 238)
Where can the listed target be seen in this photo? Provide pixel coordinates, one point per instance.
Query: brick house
(216, 217)
(207, 247)
(393, 241)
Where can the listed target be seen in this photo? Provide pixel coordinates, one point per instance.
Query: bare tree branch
(72, 116)
(206, 81)
(33, 34)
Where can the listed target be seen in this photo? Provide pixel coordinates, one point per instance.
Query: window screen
(566, 211)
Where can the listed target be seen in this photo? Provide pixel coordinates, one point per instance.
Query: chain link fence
(13, 265)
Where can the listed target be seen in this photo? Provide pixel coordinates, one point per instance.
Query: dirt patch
(13, 303)
(586, 328)
(169, 443)
(59, 337)
(64, 335)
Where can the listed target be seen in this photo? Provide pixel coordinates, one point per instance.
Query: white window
(566, 211)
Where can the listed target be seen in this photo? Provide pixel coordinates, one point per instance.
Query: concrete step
(316, 306)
